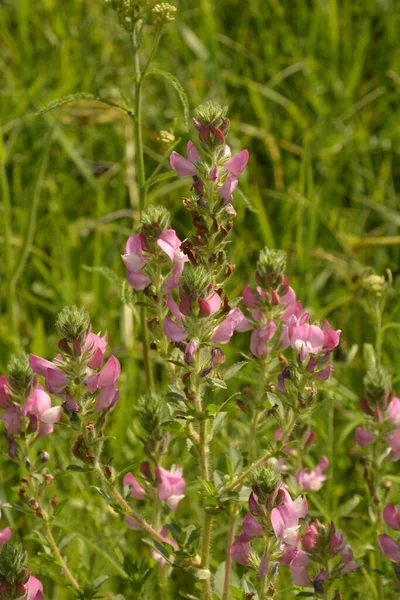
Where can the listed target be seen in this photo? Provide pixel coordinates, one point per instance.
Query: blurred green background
(314, 94)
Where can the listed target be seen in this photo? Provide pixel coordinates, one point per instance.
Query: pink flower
(134, 262)
(285, 523)
(389, 547)
(4, 392)
(299, 505)
(156, 555)
(12, 419)
(5, 536)
(263, 568)
(105, 381)
(96, 345)
(34, 588)
(391, 514)
(171, 486)
(237, 163)
(250, 528)
(392, 412)
(40, 412)
(227, 188)
(331, 337)
(259, 339)
(363, 437)
(185, 167)
(393, 441)
(313, 480)
(297, 560)
(234, 321)
(307, 339)
(55, 380)
(240, 552)
(310, 538)
(136, 489)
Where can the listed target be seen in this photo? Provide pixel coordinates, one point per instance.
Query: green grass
(314, 94)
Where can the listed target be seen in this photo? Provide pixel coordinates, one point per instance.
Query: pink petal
(391, 514)
(137, 491)
(139, 281)
(295, 557)
(92, 382)
(173, 502)
(34, 588)
(389, 547)
(240, 552)
(5, 536)
(300, 576)
(182, 166)
(107, 397)
(40, 365)
(263, 568)
(283, 518)
(4, 391)
(363, 437)
(12, 419)
(223, 333)
(45, 429)
(241, 323)
(192, 153)
(226, 190)
(133, 255)
(51, 415)
(96, 345)
(393, 411)
(173, 307)
(237, 163)
(173, 281)
(174, 331)
(110, 372)
(251, 527)
(214, 302)
(169, 243)
(250, 299)
(56, 381)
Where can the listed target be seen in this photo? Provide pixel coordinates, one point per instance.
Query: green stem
(205, 475)
(228, 564)
(60, 559)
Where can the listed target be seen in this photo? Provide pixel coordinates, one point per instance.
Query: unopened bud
(43, 457)
(265, 482)
(217, 357)
(74, 324)
(21, 379)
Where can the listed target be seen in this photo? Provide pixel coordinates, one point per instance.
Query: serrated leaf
(179, 90)
(231, 372)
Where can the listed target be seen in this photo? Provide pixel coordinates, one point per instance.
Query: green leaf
(219, 580)
(348, 507)
(231, 372)
(246, 201)
(77, 468)
(65, 541)
(60, 506)
(179, 90)
(218, 383)
(103, 494)
(82, 96)
(216, 424)
(97, 583)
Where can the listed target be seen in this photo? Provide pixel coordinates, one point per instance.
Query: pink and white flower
(5, 536)
(41, 414)
(171, 486)
(313, 480)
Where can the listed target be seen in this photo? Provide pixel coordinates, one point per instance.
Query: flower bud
(151, 414)
(155, 220)
(12, 564)
(217, 357)
(265, 483)
(21, 379)
(43, 457)
(271, 265)
(378, 386)
(163, 13)
(74, 324)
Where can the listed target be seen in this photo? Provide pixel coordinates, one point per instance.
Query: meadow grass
(314, 94)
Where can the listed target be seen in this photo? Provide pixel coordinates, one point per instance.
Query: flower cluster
(166, 486)
(27, 407)
(76, 374)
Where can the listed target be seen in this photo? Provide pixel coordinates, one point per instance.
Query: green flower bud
(155, 220)
(271, 266)
(73, 323)
(265, 482)
(196, 281)
(374, 284)
(20, 378)
(378, 385)
(151, 414)
(12, 564)
(210, 113)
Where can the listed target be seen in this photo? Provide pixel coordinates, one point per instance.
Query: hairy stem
(228, 564)
(59, 557)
